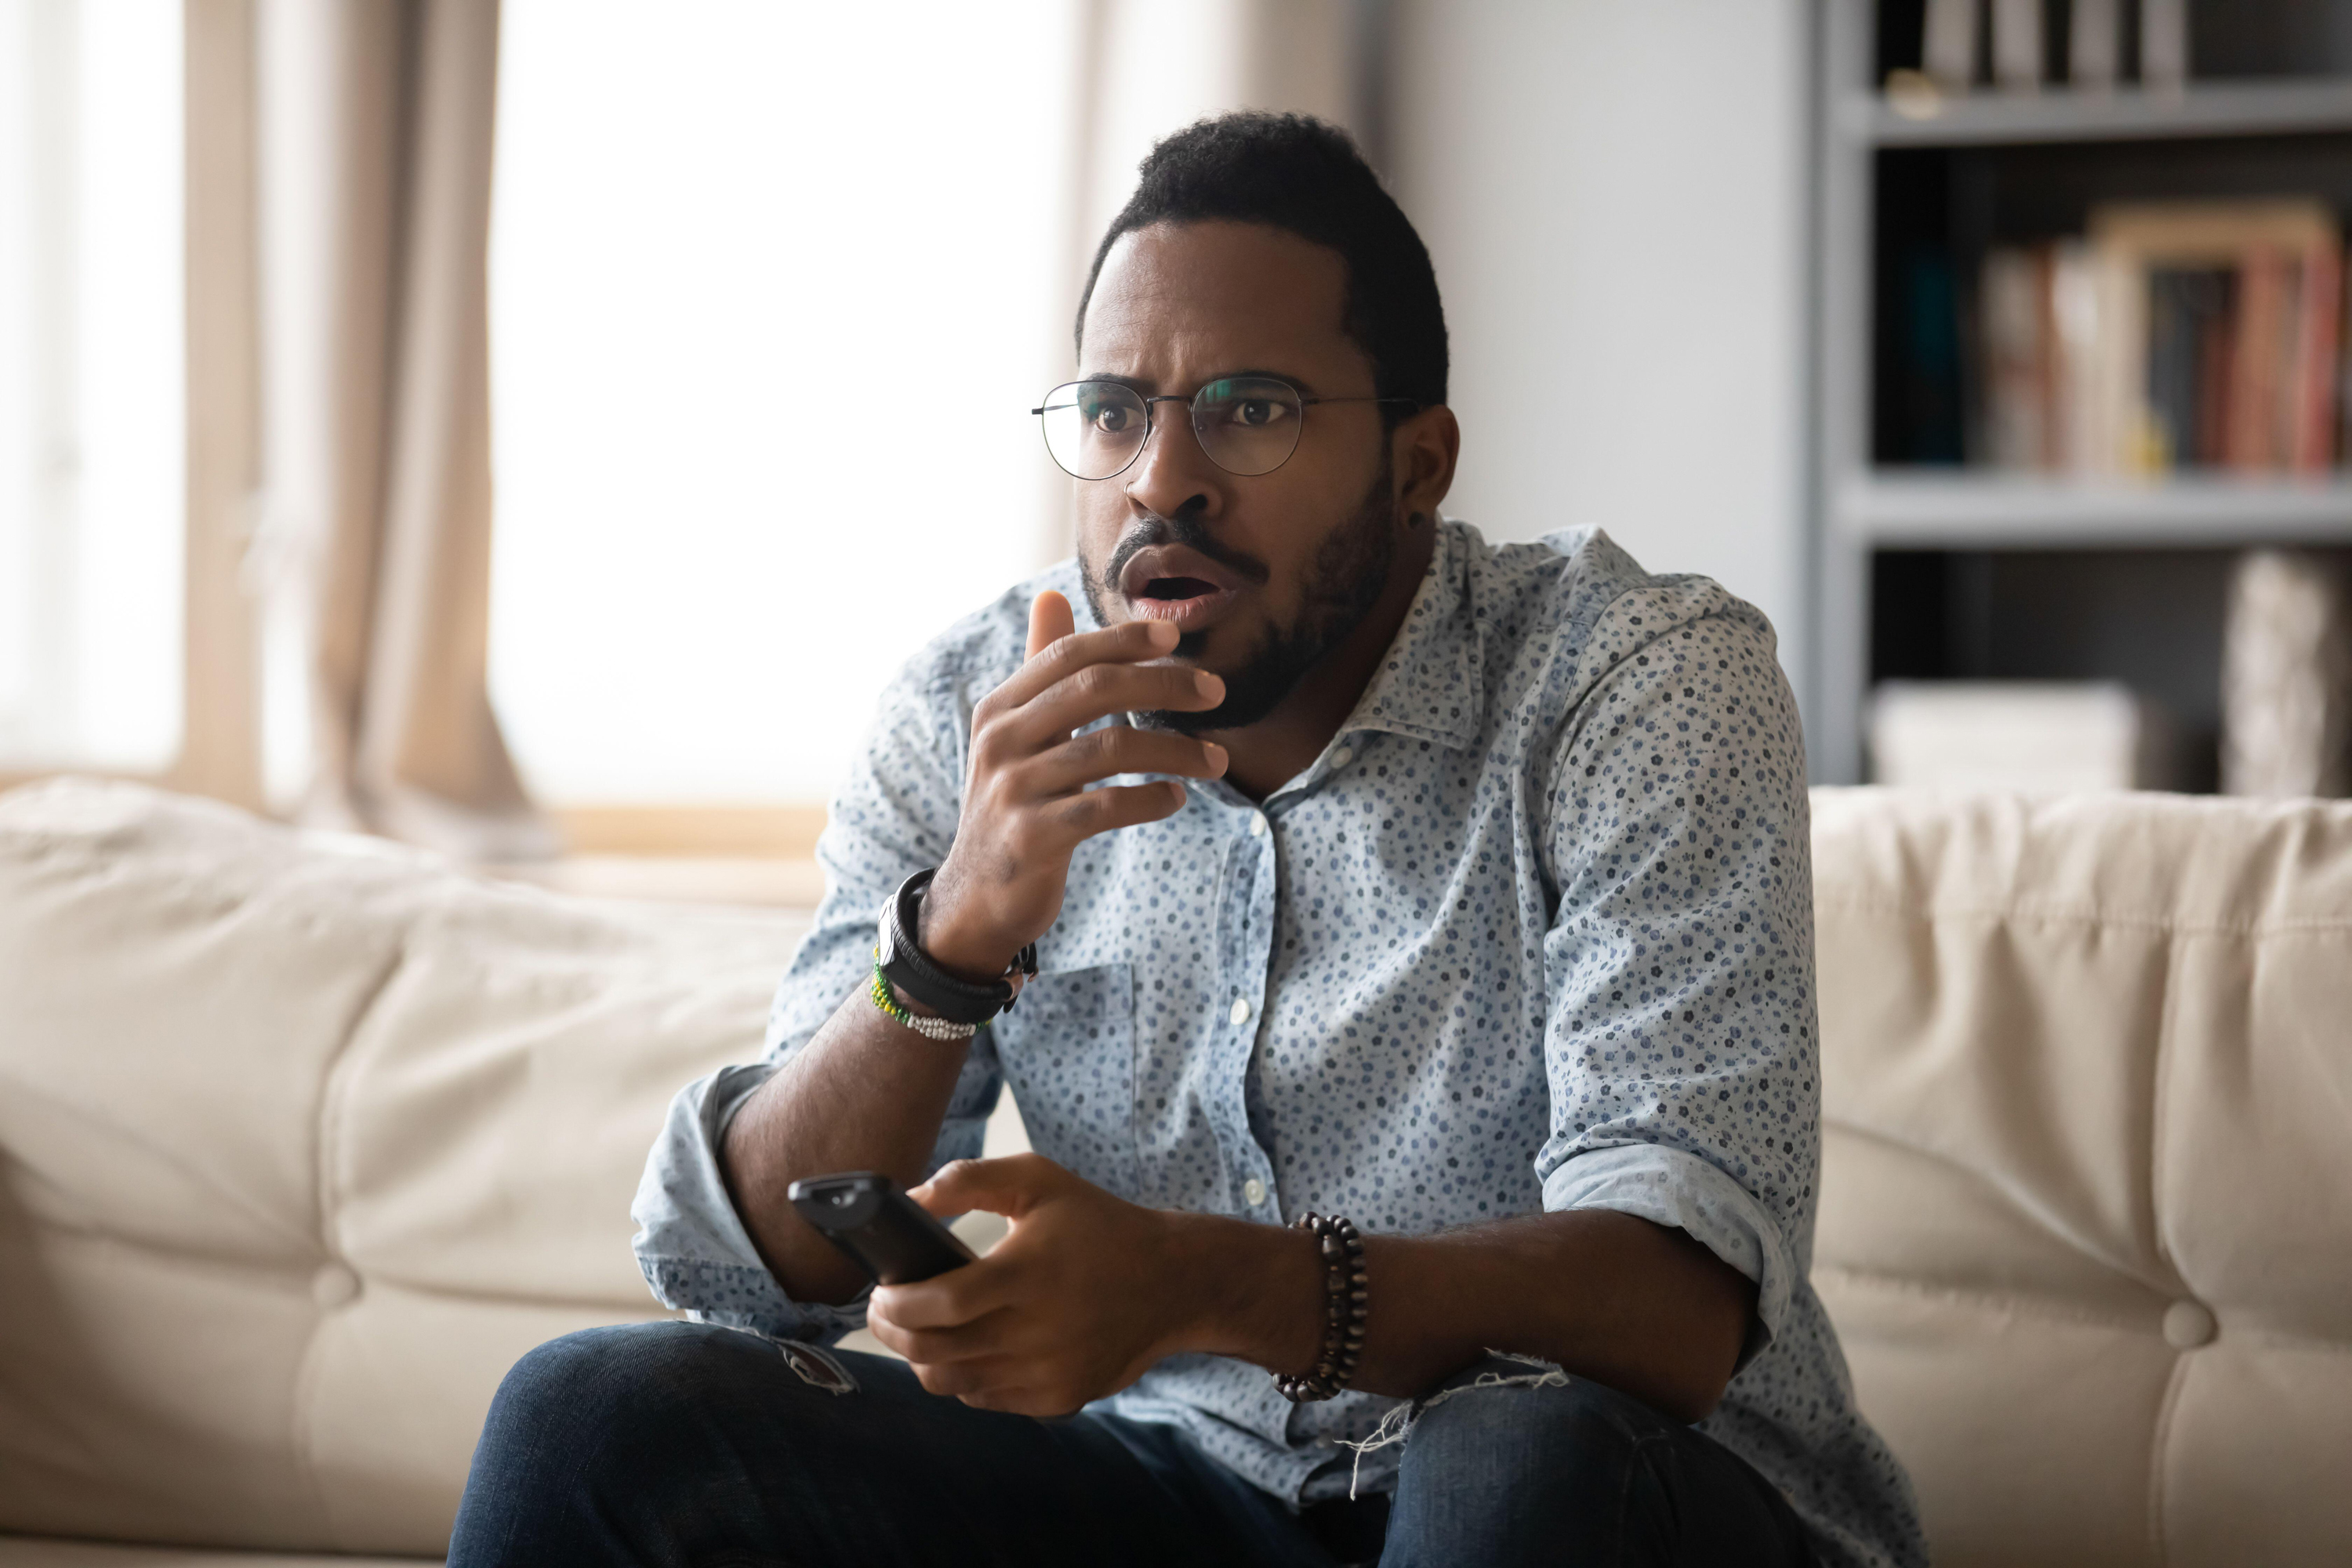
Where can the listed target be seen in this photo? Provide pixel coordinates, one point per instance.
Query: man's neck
(1278, 748)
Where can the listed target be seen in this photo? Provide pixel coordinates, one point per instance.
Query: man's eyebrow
(1300, 381)
(1305, 387)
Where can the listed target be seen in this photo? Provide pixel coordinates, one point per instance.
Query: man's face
(1261, 574)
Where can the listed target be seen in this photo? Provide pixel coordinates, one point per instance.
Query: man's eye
(1249, 412)
(1110, 418)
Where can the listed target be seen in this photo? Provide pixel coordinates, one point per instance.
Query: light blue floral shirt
(1533, 934)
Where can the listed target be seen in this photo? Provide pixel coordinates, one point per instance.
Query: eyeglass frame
(1151, 422)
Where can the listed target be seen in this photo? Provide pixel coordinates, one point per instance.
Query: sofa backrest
(303, 1141)
(2086, 1189)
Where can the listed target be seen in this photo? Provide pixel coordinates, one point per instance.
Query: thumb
(1050, 621)
(1010, 1186)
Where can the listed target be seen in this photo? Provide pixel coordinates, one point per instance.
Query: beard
(1345, 579)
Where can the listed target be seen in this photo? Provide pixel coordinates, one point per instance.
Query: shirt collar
(1428, 685)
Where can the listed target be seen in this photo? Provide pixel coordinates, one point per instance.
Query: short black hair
(1299, 174)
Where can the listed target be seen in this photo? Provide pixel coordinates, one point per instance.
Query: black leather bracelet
(1344, 1303)
(901, 959)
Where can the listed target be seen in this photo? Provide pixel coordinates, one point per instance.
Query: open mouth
(1171, 583)
(1190, 602)
(1177, 588)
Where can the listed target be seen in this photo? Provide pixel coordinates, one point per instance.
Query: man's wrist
(1256, 1290)
(975, 957)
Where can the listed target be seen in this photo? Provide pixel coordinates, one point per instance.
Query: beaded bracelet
(881, 994)
(1343, 1313)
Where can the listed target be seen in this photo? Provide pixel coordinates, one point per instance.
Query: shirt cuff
(691, 1244)
(1682, 1192)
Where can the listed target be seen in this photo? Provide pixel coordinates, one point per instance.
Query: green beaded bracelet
(884, 996)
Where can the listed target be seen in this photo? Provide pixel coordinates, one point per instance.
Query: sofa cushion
(2086, 1189)
(303, 1140)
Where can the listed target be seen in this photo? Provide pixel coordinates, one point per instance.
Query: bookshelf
(2117, 114)
(1923, 569)
(1999, 512)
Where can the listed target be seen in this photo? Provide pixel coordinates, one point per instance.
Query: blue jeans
(678, 1444)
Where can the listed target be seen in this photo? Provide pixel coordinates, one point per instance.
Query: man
(1456, 892)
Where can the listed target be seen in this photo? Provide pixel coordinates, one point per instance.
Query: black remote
(880, 1228)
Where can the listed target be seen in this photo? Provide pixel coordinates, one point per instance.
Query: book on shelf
(1948, 43)
(1953, 34)
(2017, 54)
(2094, 43)
(2164, 43)
(2173, 335)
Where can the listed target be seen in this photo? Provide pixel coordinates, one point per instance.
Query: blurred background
(465, 420)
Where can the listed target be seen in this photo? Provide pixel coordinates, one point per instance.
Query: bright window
(92, 400)
(773, 291)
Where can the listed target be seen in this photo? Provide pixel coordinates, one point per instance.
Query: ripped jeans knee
(1499, 1370)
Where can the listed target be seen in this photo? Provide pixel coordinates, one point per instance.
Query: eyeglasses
(1248, 425)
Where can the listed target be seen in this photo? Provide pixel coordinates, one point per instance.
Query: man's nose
(1172, 473)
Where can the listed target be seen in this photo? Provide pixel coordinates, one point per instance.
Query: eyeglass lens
(1248, 425)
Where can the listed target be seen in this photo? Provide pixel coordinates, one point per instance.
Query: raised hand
(1026, 805)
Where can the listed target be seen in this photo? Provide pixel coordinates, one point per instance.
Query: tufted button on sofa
(303, 1140)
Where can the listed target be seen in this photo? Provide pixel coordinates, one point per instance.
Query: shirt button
(1257, 824)
(1254, 1192)
(1240, 1014)
(1342, 757)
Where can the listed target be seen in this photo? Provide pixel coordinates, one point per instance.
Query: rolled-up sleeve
(896, 816)
(1680, 1042)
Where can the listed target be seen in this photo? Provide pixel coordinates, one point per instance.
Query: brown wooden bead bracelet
(1343, 1310)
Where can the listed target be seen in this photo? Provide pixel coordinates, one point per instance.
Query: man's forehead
(1212, 297)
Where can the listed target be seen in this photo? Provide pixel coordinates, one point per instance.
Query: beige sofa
(303, 1140)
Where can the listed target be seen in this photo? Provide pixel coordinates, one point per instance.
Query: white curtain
(374, 128)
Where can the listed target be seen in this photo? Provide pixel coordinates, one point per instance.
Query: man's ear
(1423, 451)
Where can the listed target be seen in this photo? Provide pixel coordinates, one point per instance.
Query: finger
(1011, 1398)
(1010, 1185)
(886, 1320)
(983, 1384)
(1000, 1380)
(1113, 806)
(990, 1338)
(953, 1381)
(1100, 690)
(1100, 754)
(1050, 621)
(1126, 643)
(886, 1329)
(959, 1299)
(1012, 1387)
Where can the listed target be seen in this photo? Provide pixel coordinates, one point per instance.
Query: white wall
(1612, 191)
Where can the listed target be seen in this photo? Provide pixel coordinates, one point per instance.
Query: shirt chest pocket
(1067, 1049)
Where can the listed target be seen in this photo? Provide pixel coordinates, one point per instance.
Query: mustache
(1193, 534)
